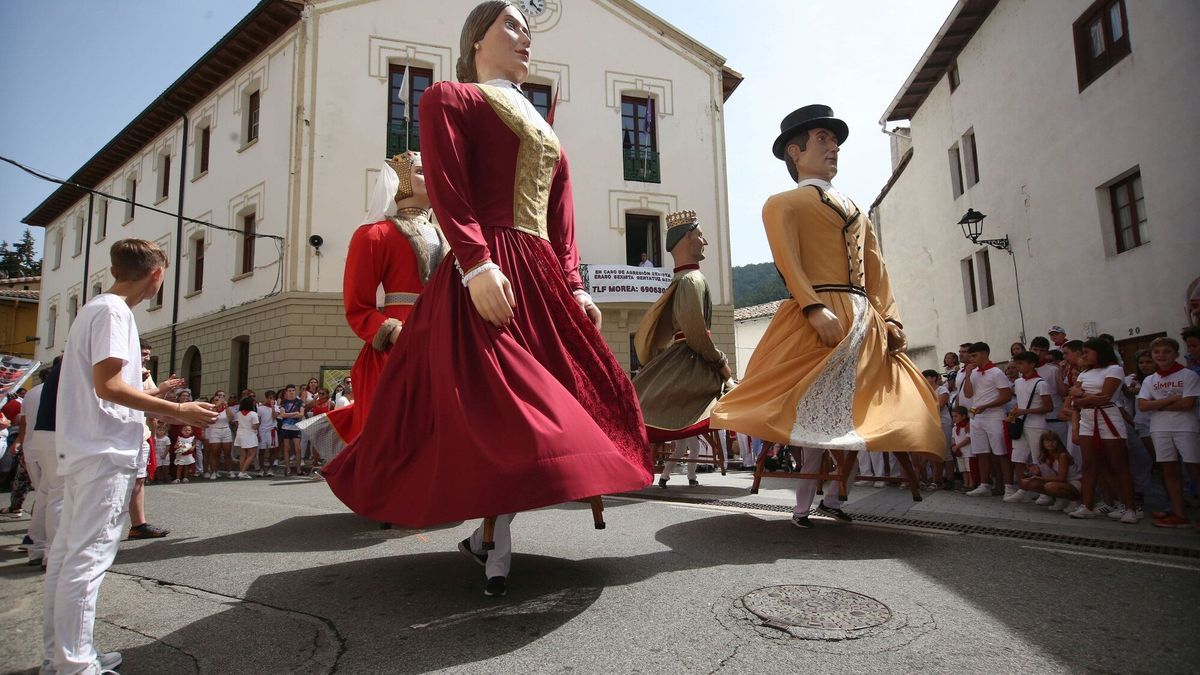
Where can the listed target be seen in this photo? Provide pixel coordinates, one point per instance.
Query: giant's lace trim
(825, 413)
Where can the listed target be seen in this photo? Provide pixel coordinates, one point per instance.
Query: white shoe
(880, 484)
(862, 483)
(1047, 500)
(1129, 517)
(1057, 505)
(109, 661)
(175, 482)
(1071, 506)
(212, 476)
(1016, 497)
(1083, 512)
(1102, 509)
(983, 490)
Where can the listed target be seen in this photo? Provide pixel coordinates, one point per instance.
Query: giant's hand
(828, 328)
(897, 341)
(590, 308)
(493, 297)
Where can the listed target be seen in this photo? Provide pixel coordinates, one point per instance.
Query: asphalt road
(277, 577)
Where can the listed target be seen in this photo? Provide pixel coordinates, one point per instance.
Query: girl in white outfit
(1101, 428)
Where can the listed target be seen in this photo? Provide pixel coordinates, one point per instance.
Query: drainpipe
(87, 249)
(178, 242)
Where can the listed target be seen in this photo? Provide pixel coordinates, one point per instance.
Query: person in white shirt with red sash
(1102, 429)
(989, 390)
(1032, 397)
(1169, 395)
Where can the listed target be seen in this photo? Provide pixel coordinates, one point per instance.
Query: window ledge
(154, 308)
(127, 221)
(247, 146)
(198, 176)
(192, 294)
(161, 199)
(243, 275)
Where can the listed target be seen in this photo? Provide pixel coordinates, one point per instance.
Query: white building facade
(280, 131)
(1072, 126)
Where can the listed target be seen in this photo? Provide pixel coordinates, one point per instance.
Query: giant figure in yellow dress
(830, 372)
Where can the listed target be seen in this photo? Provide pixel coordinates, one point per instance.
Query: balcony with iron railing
(402, 136)
(641, 164)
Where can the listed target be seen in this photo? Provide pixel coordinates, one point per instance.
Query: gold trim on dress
(537, 155)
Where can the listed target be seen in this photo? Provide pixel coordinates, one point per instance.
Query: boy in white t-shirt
(960, 438)
(989, 390)
(268, 440)
(101, 409)
(1169, 395)
(1031, 396)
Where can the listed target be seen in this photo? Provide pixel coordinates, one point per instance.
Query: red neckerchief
(1175, 368)
(961, 425)
(693, 266)
(984, 368)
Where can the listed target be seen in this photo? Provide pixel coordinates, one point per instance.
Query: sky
(75, 72)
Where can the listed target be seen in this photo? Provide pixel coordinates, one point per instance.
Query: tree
(20, 260)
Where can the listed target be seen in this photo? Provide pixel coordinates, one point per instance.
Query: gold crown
(681, 218)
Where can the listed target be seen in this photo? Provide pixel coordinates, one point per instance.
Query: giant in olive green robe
(681, 378)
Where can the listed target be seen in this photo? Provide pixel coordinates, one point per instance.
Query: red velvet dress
(379, 255)
(472, 420)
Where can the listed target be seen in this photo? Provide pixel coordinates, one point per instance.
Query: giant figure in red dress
(398, 249)
(500, 394)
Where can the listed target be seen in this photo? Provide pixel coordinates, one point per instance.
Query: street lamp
(972, 229)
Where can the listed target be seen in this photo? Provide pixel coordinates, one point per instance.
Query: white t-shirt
(1023, 389)
(33, 438)
(87, 425)
(960, 434)
(960, 396)
(1156, 386)
(1052, 375)
(1092, 380)
(341, 401)
(247, 436)
(985, 388)
(944, 412)
(266, 420)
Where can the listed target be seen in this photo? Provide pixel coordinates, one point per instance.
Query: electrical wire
(276, 288)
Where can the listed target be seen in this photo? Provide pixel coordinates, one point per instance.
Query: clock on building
(541, 14)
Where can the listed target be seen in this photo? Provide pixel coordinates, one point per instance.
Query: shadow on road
(301, 534)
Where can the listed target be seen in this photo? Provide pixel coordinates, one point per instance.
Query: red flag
(553, 108)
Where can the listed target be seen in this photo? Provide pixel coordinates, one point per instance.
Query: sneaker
(270, 473)
(662, 483)
(1083, 512)
(880, 484)
(246, 476)
(109, 661)
(834, 513)
(1058, 504)
(1173, 521)
(1047, 500)
(1015, 497)
(1071, 506)
(802, 522)
(464, 547)
(175, 482)
(147, 531)
(495, 587)
(1117, 514)
(984, 490)
(692, 482)
(1129, 517)
(185, 480)
(1104, 509)
(212, 476)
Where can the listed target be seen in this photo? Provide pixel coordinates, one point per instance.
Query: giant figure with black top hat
(830, 372)
(684, 372)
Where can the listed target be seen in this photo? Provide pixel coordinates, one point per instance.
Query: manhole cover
(820, 607)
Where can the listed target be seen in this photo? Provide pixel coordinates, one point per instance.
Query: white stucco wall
(323, 135)
(1045, 150)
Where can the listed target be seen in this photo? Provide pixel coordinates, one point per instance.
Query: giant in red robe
(471, 420)
(393, 253)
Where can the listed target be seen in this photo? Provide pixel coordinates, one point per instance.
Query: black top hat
(814, 116)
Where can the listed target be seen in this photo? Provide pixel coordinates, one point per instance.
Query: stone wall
(291, 337)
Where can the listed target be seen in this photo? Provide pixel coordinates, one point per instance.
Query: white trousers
(95, 501)
(499, 559)
(48, 491)
(872, 465)
(806, 488)
(691, 446)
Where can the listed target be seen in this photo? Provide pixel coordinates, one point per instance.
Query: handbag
(1017, 426)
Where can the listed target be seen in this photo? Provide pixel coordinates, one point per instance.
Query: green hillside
(757, 283)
